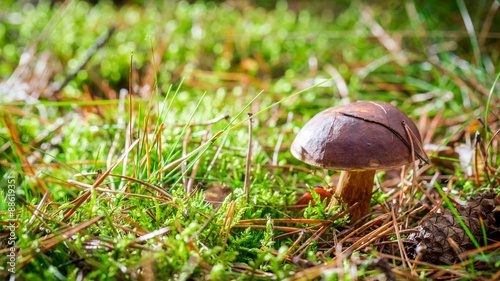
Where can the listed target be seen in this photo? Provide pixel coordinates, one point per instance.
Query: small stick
(129, 134)
(88, 55)
(209, 122)
(414, 177)
(485, 28)
(249, 157)
(40, 206)
(230, 214)
(159, 151)
(194, 170)
(476, 156)
(400, 243)
(184, 153)
(486, 164)
(215, 156)
(146, 141)
(301, 235)
(132, 179)
(432, 127)
(116, 139)
(280, 139)
(92, 97)
(182, 159)
(84, 196)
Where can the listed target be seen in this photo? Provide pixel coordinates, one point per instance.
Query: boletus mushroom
(358, 138)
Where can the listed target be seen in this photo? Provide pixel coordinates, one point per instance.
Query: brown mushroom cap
(337, 141)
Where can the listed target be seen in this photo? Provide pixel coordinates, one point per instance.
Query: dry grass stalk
(65, 234)
(206, 123)
(146, 184)
(194, 170)
(249, 159)
(182, 159)
(184, 153)
(159, 150)
(86, 195)
(229, 217)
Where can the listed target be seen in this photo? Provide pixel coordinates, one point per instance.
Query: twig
(209, 122)
(40, 206)
(90, 52)
(84, 197)
(249, 158)
(487, 23)
(158, 189)
(184, 153)
(280, 139)
(194, 170)
(400, 243)
(215, 156)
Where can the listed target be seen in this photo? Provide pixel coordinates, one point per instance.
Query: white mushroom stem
(356, 186)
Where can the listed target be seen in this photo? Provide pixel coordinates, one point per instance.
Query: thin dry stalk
(215, 156)
(339, 80)
(190, 245)
(372, 236)
(184, 153)
(194, 170)
(279, 228)
(47, 245)
(390, 44)
(432, 127)
(39, 207)
(209, 219)
(146, 141)
(27, 168)
(84, 185)
(159, 151)
(116, 139)
(231, 212)
(307, 229)
(487, 23)
(449, 270)
(486, 164)
(471, 83)
(249, 159)
(477, 150)
(314, 237)
(155, 141)
(466, 254)
(226, 217)
(86, 195)
(280, 138)
(309, 221)
(158, 189)
(154, 235)
(301, 236)
(129, 134)
(287, 167)
(400, 243)
(352, 233)
(99, 42)
(414, 177)
(316, 271)
(206, 123)
(182, 159)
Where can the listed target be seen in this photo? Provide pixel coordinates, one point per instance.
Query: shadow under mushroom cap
(357, 136)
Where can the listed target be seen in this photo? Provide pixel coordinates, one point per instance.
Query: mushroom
(358, 138)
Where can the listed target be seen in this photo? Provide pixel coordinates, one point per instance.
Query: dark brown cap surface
(336, 139)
